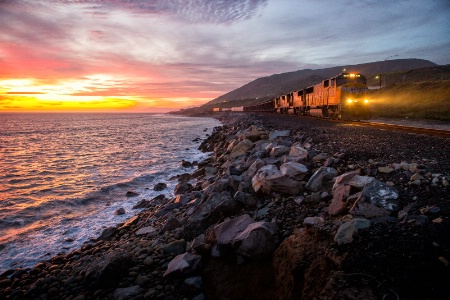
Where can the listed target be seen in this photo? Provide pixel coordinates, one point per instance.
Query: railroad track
(409, 129)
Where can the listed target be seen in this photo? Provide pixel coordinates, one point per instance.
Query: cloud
(192, 11)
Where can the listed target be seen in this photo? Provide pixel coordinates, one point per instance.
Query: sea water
(63, 175)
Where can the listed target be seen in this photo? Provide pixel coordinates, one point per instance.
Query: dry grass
(424, 100)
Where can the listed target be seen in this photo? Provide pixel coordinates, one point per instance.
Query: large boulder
(270, 179)
(108, 269)
(227, 231)
(257, 241)
(294, 170)
(241, 148)
(183, 264)
(376, 200)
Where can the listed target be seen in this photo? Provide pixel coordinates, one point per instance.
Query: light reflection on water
(63, 170)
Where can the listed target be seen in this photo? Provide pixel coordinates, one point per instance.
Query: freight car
(341, 97)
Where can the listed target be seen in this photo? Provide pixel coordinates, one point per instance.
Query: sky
(163, 55)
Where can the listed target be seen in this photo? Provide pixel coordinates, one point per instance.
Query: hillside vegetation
(423, 100)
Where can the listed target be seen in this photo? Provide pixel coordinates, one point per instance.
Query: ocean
(63, 175)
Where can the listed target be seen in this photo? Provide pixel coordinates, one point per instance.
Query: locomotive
(340, 97)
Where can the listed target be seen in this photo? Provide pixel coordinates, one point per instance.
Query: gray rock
(257, 241)
(107, 234)
(120, 211)
(106, 270)
(182, 188)
(183, 264)
(160, 186)
(381, 194)
(315, 182)
(269, 179)
(294, 170)
(241, 148)
(320, 157)
(257, 164)
(126, 293)
(279, 133)
(245, 198)
(226, 232)
(170, 225)
(312, 221)
(345, 232)
(175, 247)
(146, 230)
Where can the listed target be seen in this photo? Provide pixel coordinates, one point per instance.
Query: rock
(170, 225)
(312, 221)
(182, 188)
(279, 133)
(146, 230)
(216, 206)
(192, 284)
(345, 232)
(142, 204)
(183, 264)
(175, 247)
(186, 164)
(245, 198)
(385, 170)
(107, 234)
(257, 241)
(130, 194)
(315, 182)
(160, 186)
(210, 172)
(294, 170)
(255, 166)
(299, 152)
(107, 269)
(126, 293)
(269, 179)
(120, 211)
(185, 177)
(148, 261)
(379, 194)
(320, 157)
(227, 231)
(200, 245)
(241, 148)
(278, 151)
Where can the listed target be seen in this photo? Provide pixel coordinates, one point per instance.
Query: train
(344, 97)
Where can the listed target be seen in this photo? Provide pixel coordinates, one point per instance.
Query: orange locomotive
(341, 97)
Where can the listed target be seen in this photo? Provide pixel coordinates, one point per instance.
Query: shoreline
(281, 188)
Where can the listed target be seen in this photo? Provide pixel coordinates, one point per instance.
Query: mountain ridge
(277, 84)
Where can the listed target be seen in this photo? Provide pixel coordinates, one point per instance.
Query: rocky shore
(284, 208)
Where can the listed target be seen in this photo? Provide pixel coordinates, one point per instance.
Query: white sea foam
(65, 175)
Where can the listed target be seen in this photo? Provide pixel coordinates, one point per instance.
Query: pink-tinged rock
(241, 148)
(298, 151)
(183, 264)
(257, 241)
(227, 231)
(278, 151)
(146, 230)
(269, 179)
(294, 170)
(339, 203)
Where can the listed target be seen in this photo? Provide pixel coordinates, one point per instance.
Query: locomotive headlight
(349, 101)
(366, 101)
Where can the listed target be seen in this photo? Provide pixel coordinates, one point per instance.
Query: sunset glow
(142, 56)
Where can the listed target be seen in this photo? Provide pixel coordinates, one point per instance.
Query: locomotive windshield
(345, 78)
